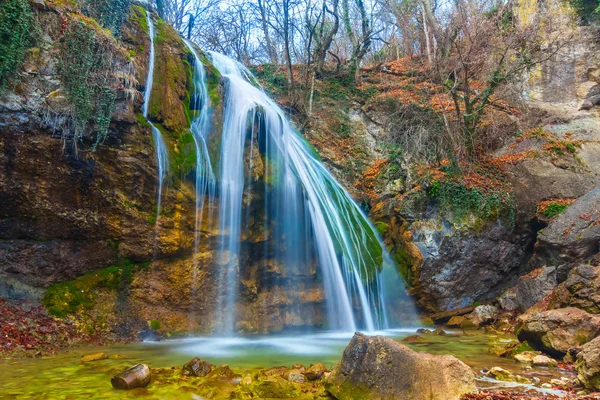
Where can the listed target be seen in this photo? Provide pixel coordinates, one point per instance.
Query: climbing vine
(85, 68)
(17, 35)
(111, 14)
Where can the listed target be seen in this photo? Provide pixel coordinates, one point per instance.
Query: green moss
(184, 159)
(138, 16)
(404, 263)
(381, 227)
(213, 80)
(64, 298)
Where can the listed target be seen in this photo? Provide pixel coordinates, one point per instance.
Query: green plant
(17, 35)
(85, 68)
(155, 324)
(461, 200)
(111, 14)
(553, 209)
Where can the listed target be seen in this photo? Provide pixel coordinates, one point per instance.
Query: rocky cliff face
(84, 223)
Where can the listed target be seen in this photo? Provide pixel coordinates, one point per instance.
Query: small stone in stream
(468, 324)
(138, 376)
(440, 332)
(506, 376)
(197, 367)
(222, 373)
(559, 383)
(423, 331)
(274, 371)
(247, 380)
(414, 339)
(296, 376)
(500, 374)
(94, 357)
(546, 386)
(315, 371)
(301, 367)
(544, 361)
(526, 357)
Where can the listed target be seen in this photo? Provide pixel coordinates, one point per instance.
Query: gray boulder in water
(379, 368)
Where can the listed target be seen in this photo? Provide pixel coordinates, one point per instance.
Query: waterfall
(161, 149)
(314, 217)
(200, 128)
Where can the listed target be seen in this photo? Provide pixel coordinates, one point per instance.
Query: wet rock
(460, 267)
(447, 315)
(295, 375)
(455, 321)
(573, 236)
(526, 357)
(556, 331)
(138, 376)
(315, 371)
(272, 387)
(380, 368)
(274, 371)
(504, 375)
(588, 365)
(94, 357)
(484, 314)
(535, 286)
(197, 367)
(581, 290)
(543, 361)
(222, 373)
(415, 339)
(508, 300)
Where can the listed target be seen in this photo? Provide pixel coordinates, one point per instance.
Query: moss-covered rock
(380, 368)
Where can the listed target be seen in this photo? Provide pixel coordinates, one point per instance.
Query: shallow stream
(64, 376)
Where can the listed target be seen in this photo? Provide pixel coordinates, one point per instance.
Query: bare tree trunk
(286, 41)
(265, 27)
(427, 39)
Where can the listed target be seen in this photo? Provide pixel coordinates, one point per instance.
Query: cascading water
(315, 218)
(161, 149)
(200, 128)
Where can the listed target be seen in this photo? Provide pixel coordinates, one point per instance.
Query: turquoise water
(64, 376)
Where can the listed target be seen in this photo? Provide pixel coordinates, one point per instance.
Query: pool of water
(64, 376)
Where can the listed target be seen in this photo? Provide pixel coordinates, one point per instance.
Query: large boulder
(581, 290)
(588, 365)
(375, 367)
(535, 286)
(557, 331)
(573, 236)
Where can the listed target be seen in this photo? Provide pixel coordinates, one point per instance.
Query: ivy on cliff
(111, 14)
(85, 67)
(17, 35)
